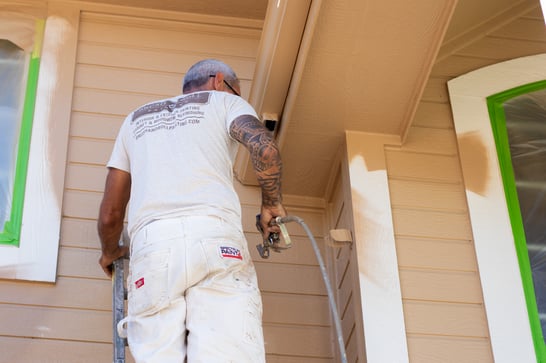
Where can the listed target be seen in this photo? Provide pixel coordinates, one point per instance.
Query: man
(193, 290)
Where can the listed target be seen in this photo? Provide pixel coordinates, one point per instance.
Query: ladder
(119, 296)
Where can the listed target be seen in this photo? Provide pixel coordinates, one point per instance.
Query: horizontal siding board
(274, 358)
(436, 318)
(444, 286)
(429, 167)
(177, 21)
(436, 254)
(56, 323)
(409, 222)
(85, 177)
(73, 293)
(295, 309)
(305, 280)
(81, 263)
(81, 204)
(110, 55)
(436, 90)
(127, 80)
(166, 39)
(430, 140)
(427, 195)
(90, 151)
(171, 61)
(135, 81)
(297, 340)
(434, 115)
(95, 126)
(423, 348)
(100, 101)
(77, 232)
(22, 350)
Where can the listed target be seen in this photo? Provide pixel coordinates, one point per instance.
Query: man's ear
(218, 82)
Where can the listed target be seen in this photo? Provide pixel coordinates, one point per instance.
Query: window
(498, 254)
(40, 198)
(16, 114)
(518, 119)
(12, 64)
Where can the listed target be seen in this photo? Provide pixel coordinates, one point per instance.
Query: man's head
(211, 74)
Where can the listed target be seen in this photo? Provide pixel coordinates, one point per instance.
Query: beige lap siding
(125, 62)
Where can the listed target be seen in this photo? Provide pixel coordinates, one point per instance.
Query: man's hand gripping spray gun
(273, 241)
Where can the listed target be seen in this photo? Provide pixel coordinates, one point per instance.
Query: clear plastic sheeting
(12, 76)
(526, 127)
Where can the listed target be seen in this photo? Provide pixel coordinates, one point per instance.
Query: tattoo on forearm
(264, 154)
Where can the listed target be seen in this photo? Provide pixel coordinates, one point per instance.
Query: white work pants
(193, 293)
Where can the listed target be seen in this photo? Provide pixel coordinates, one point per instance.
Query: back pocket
(148, 288)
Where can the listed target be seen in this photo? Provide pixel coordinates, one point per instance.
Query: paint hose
(280, 221)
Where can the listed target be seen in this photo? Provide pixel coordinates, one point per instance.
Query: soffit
(366, 69)
(367, 66)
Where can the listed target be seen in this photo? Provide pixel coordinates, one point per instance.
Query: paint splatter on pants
(193, 294)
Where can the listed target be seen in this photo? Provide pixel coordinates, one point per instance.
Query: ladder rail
(119, 296)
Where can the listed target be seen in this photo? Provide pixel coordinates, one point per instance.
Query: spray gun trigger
(273, 240)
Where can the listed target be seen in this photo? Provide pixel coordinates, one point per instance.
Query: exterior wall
(443, 303)
(127, 57)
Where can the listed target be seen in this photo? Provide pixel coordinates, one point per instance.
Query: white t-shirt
(180, 157)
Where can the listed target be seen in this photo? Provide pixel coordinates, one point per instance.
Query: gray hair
(200, 72)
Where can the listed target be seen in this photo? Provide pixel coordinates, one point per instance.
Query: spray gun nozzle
(273, 240)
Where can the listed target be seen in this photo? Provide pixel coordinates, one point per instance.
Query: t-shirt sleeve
(235, 107)
(119, 159)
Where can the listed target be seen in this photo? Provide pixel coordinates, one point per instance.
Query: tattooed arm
(267, 164)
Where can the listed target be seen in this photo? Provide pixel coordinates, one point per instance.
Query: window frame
(37, 255)
(498, 265)
(498, 121)
(10, 234)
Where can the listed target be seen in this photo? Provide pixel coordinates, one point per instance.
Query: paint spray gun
(273, 241)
